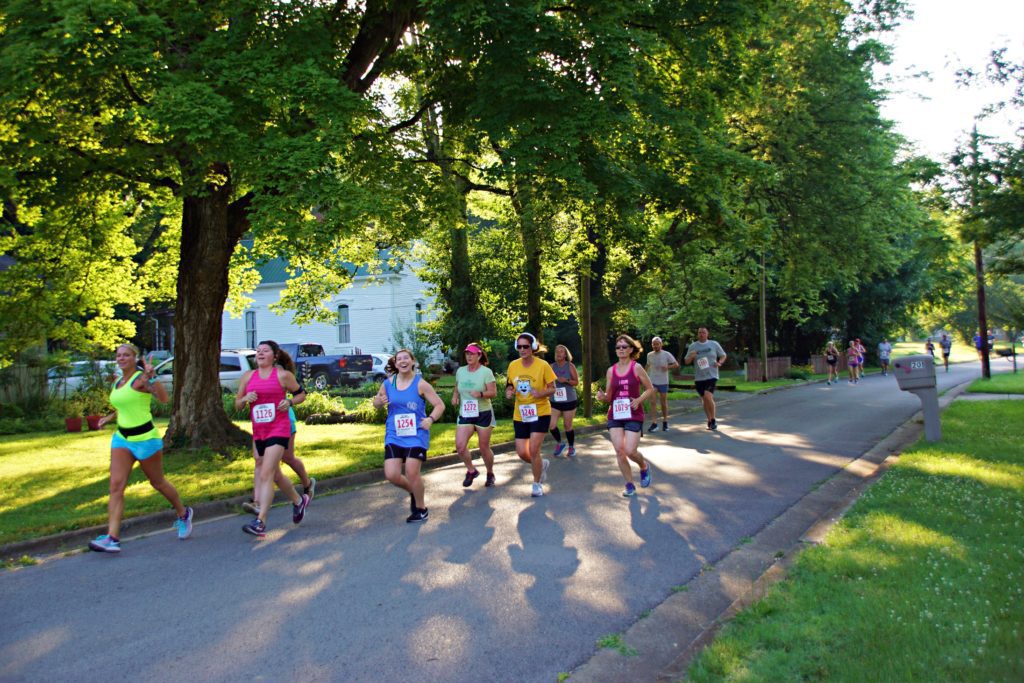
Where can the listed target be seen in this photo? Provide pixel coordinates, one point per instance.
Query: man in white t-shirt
(884, 352)
(659, 363)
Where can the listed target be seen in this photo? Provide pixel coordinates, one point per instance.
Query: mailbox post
(916, 374)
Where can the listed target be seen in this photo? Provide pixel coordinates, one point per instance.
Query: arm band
(300, 390)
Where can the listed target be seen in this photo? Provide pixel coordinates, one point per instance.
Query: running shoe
(537, 491)
(709, 425)
(105, 544)
(713, 424)
(470, 476)
(251, 507)
(184, 524)
(544, 470)
(645, 477)
(558, 450)
(490, 479)
(572, 452)
(664, 426)
(630, 490)
(299, 511)
(256, 528)
(311, 489)
(653, 428)
(417, 516)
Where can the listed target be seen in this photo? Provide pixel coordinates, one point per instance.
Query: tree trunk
(531, 235)
(979, 275)
(209, 234)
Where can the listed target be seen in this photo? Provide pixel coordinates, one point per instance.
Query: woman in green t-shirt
(474, 389)
(136, 440)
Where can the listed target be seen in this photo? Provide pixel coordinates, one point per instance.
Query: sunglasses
(522, 346)
(620, 346)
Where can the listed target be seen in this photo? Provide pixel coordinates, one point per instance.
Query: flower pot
(94, 422)
(73, 424)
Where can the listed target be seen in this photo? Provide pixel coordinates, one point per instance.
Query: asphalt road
(496, 586)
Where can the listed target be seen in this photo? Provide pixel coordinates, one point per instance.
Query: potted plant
(73, 409)
(95, 404)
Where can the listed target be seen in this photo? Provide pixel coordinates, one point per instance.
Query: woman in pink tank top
(626, 409)
(263, 390)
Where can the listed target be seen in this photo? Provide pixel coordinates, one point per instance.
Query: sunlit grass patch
(922, 579)
(1001, 383)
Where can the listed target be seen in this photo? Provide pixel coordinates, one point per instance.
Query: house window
(344, 326)
(419, 313)
(250, 329)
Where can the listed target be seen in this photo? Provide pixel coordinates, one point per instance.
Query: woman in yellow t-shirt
(531, 381)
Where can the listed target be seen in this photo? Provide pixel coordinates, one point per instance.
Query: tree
(249, 113)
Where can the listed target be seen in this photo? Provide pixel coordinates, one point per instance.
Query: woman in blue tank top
(407, 431)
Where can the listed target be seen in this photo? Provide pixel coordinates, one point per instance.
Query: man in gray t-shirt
(706, 355)
(659, 363)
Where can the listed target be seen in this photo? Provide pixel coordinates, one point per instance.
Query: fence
(820, 366)
(22, 382)
(777, 367)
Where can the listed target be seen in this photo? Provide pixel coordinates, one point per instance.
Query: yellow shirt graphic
(522, 380)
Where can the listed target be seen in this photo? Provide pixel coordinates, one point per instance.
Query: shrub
(800, 372)
(19, 425)
(318, 402)
(233, 412)
(95, 400)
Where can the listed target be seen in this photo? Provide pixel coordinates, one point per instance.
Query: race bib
(263, 413)
(470, 408)
(528, 412)
(561, 394)
(405, 424)
(703, 363)
(621, 409)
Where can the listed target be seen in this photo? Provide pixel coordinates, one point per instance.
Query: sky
(943, 36)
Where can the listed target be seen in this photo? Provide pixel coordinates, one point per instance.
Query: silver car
(233, 364)
(67, 379)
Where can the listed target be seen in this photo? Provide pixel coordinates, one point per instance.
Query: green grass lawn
(55, 481)
(1002, 383)
(960, 352)
(921, 580)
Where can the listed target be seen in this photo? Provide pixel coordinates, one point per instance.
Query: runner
(136, 439)
(474, 389)
(407, 433)
(531, 381)
(832, 358)
(852, 360)
(862, 353)
(929, 347)
(947, 347)
(659, 363)
(884, 353)
(263, 391)
(290, 459)
(563, 403)
(626, 410)
(709, 356)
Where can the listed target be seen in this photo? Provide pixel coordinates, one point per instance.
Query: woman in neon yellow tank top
(136, 438)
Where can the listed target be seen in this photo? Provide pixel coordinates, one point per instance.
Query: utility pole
(764, 322)
(588, 403)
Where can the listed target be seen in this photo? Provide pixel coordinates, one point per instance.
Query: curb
(675, 631)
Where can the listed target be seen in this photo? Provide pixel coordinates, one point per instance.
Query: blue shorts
(140, 450)
(662, 388)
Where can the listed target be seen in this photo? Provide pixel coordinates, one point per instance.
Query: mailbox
(915, 372)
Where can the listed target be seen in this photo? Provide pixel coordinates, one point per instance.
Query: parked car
(233, 364)
(67, 379)
(380, 361)
(320, 371)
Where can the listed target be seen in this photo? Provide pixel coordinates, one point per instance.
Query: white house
(370, 312)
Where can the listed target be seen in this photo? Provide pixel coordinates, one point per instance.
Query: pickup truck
(320, 371)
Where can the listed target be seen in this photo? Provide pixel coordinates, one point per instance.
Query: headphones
(533, 340)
